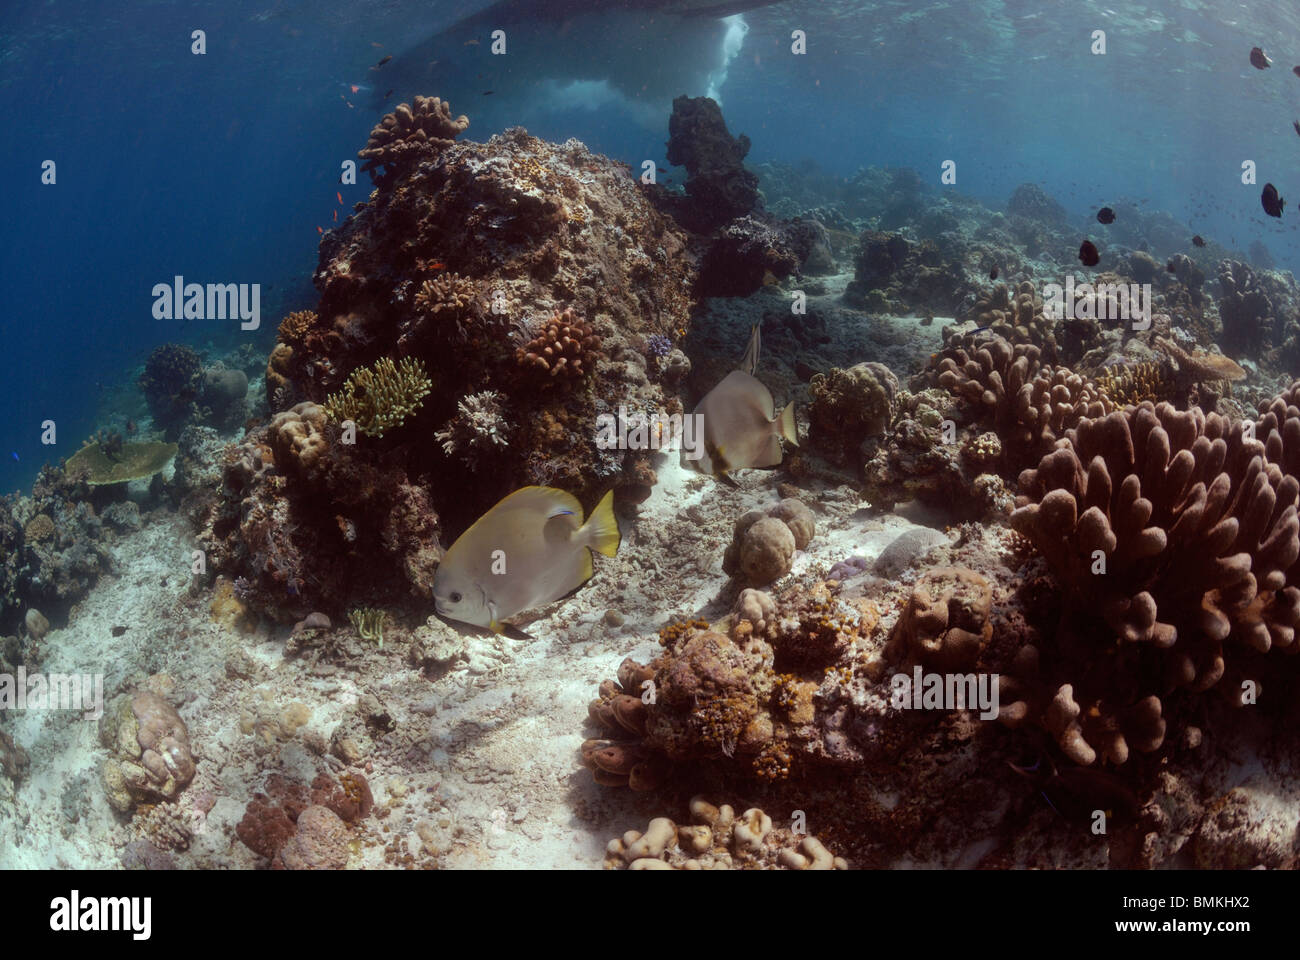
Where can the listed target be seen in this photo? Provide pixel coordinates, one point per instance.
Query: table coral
(134, 461)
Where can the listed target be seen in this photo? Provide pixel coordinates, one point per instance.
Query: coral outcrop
(172, 382)
(1245, 311)
(455, 266)
(718, 186)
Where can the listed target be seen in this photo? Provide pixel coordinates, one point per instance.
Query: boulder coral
(762, 546)
(148, 745)
(849, 407)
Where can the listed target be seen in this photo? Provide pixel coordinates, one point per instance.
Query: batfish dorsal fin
(749, 363)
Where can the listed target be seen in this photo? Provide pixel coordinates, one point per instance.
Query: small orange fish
(339, 195)
(378, 45)
(353, 87)
(319, 230)
(336, 215)
(438, 266)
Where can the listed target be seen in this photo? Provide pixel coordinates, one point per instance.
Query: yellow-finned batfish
(741, 426)
(530, 549)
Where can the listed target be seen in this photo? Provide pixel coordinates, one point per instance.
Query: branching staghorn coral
(479, 428)
(1129, 386)
(296, 325)
(381, 397)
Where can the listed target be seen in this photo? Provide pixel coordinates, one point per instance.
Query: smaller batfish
(741, 426)
(528, 550)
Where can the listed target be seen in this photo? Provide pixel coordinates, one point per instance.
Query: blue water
(221, 167)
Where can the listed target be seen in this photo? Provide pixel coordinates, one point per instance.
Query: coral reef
(50, 562)
(409, 134)
(717, 839)
(381, 397)
(763, 700)
(1029, 200)
(894, 274)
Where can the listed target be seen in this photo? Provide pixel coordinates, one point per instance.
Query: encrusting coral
(381, 397)
(411, 133)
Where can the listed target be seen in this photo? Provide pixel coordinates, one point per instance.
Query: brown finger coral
(1171, 537)
(410, 133)
(565, 350)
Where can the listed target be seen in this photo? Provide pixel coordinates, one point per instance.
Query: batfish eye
(456, 598)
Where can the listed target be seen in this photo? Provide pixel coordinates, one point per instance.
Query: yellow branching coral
(1129, 386)
(369, 623)
(381, 397)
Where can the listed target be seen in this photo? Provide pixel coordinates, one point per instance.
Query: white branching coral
(479, 428)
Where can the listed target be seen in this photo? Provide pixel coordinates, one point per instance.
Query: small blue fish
(14, 453)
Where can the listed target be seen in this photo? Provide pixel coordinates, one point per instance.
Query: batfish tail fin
(602, 527)
(787, 426)
(749, 363)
